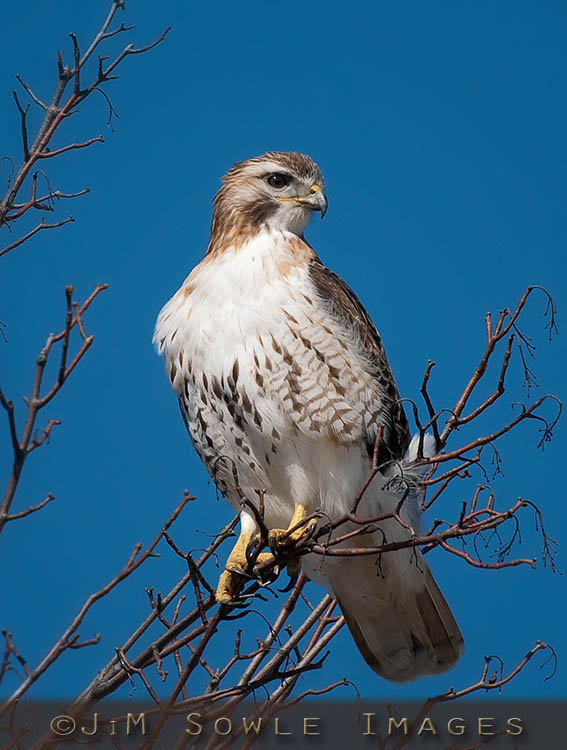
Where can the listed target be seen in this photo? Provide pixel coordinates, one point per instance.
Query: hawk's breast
(261, 369)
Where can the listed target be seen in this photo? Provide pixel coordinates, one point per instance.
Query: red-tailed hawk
(279, 369)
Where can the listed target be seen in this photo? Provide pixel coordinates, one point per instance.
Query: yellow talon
(236, 566)
(291, 536)
(231, 578)
(263, 557)
(227, 587)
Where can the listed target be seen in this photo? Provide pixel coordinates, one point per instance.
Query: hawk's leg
(299, 529)
(237, 564)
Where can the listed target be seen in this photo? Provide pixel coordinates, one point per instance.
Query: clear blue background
(440, 128)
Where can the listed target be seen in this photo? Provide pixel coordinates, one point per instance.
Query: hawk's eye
(279, 180)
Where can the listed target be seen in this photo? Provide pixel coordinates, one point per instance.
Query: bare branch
(103, 34)
(71, 147)
(34, 98)
(30, 510)
(63, 642)
(131, 50)
(57, 111)
(10, 648)
(40, 226)
(23, 114)
(25, 444)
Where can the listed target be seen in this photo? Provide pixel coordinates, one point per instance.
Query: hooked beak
(317, 200)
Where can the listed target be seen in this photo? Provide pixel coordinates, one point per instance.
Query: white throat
(290, 217)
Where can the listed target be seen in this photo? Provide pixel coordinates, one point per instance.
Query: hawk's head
(277, 189)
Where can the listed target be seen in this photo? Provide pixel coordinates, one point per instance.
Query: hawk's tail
(403, 628)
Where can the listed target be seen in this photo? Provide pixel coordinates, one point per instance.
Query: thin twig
(38, 228)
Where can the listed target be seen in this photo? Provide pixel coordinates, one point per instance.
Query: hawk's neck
(263, 242)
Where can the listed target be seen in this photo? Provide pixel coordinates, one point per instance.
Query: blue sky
(440, 129)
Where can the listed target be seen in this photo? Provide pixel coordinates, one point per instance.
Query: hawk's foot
(299, 530)
(227, 587)
(237, 568)
(266, 574)
(230, 580)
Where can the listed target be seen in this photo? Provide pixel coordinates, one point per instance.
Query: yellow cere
(314, 189)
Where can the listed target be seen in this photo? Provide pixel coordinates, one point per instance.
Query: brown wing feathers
(346, 308)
